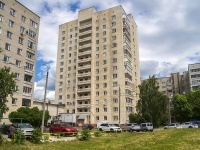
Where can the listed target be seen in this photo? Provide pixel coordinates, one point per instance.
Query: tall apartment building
(194, 76)
(98, 66)
(19, 29)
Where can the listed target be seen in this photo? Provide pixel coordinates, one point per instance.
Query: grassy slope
(158, 140)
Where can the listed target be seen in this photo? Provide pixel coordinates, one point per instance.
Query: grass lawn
(172, 139)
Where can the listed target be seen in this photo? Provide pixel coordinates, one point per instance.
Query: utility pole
(44, 103)
(119, 104)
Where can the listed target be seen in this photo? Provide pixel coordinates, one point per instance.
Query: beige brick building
(19, 29)
(194, 76)
(98, 56)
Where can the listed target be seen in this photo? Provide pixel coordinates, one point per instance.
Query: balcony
(85, 26)
(84, 67)
(85, 53)
(85, 32)
(85, 46)
(83, 97)
(84, 74)
(83, 113)
(84, 82)
(85, 39)
(83, 105)
(84, 60)
(84, 90)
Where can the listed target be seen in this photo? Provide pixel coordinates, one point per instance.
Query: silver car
(128, 127)
(109, 127)
(173, 125)
(189, 125)
(26, 128)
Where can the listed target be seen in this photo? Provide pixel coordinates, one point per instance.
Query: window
(31, 45)
(16, 88)
(71, 30)
(76, 28)
(27, 90)
(75, 40)
(104, 92)
(114, 76)
(70, 48)
(104, 54)
(115, 83)
(29, 66)
(61, 63)
(113, 17)
(104, 39)
(62, 56)
(60, 97)
(97, 70)
(69, 68)
(21, 29)
(26, 102)
(31, 34)
(114, 60)
(115, 117)
(114, 44)
(104, 85)
(104, 69)
(60, 83)
(19, 51)
(9, 35)
(62, 50)
(97, 86)
(61, 76)
(97, 78)
(12, 12)
(8, 46)
(97, 63)
(97, 102)
(75, 53)
(104, 62)
(115, 92)
(97, 55)
(2, 5)
(104, 19)
(6, 59)
(115, 100)
(14, 101)
(115, 109)
(97, 93)
(0, 30)
(113, 37)
(105, 77)
(97, 48)
(97, 21)
(20, 40)
(61, 69)
(33, 24)
(104, 47)
(97, 117)
(105, 118)
(113, 23)
(1, 18)
(114, 68)
(114, 52)
(62, 44)
(113, 30)
(105, 109)
(23, 19)
(97, 41)
(104, 32)
(97, 28)
(97, 34)
(18, 63)
(105, 101)
(104, 26)
(63, 32)
(75, 34)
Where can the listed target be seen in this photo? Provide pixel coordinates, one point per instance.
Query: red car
(63, 129)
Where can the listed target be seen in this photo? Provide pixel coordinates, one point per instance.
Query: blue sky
(168, 30)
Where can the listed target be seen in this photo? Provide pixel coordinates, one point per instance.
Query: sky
(168, 30)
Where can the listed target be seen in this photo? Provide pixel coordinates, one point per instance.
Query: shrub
(17, 136)
(97, 134)
(85, 135)
(36, 136)
(1, 138)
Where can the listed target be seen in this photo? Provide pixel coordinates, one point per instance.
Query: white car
(173, 125)
(109, 127)
(189, 125)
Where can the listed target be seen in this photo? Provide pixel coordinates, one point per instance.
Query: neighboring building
(54, 109)
(194, 76)
(97, 54)
(19, 28)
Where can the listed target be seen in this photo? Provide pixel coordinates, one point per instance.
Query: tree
(29, 115)
(152, 105)
(182, 108)
(194, 99)
(136, 118)
(7, 86)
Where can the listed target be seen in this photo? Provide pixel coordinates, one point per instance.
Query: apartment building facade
(194, 76)
(98, 70)
(19, 28)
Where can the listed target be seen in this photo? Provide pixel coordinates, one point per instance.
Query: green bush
(85, 135)
(36, 136)
(17, 136)
(97, 134)
(1, 138)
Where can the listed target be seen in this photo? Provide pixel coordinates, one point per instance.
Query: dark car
(63, 129)
(88, 126)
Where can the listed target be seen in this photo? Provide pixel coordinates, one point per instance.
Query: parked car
(26, 128)
(88, 126)
(196, 122)
(146, 126)
(109, 127)
(128, 127)
(63, 129)
(173, 125)
(189, 125)
(136, 128)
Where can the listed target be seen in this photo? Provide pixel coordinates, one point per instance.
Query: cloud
(168, 32)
